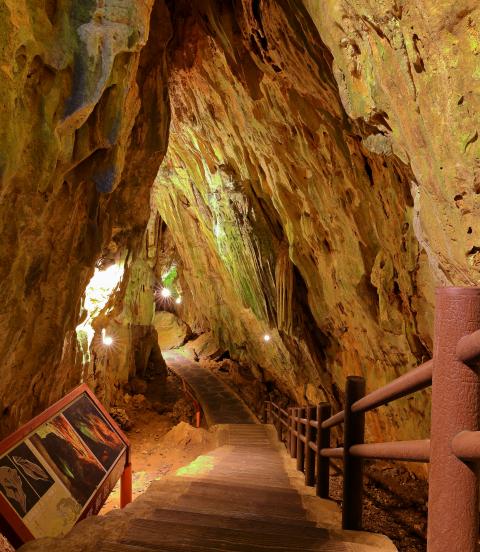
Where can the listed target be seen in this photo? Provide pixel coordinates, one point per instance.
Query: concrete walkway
(219, 402)
(239, 498)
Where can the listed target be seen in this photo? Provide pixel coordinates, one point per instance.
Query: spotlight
(178, 300)
(266, 338)
(166, 293)
(107, 340)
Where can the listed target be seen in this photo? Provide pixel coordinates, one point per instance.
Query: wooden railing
(189, 393)
(453, 449)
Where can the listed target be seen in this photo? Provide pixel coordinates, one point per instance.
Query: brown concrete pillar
(300, 444)
(310, 435)
(293, 447)
(353, 434)
(324, 411)
(453, 484)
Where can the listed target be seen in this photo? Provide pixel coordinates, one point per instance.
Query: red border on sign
(21, 532)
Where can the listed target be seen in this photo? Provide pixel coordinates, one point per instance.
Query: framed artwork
(60, 468)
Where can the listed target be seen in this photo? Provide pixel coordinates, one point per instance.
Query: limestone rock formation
(83, 128)
(322, 177)
(289, 217)
(172, 331)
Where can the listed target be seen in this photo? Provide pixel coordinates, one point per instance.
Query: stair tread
(227, 521)
(245, 502)
(151, 532)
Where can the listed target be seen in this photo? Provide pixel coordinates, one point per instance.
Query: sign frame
(11, 524)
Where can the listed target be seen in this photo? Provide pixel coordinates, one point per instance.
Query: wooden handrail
(415, 380)
(466, 445)
(190, 393)
(468, 348)
(408, 451)
(455, 435)
(334, 420)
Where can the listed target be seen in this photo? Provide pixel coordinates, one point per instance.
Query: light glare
(266, 338)
(178, 300)
(107, 340)
(165, 293)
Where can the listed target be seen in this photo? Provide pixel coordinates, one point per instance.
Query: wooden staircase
(238, 498)
(244, 496)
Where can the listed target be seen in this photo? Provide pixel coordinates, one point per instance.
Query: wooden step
(228, 522)
(226, 484)
(172, 536)
(207, 503)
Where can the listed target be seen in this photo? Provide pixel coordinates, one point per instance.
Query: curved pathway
(219, 402)
(244, 496)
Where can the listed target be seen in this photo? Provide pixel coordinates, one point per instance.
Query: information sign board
(60, 467)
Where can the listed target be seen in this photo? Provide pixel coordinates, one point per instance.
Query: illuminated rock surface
(322, 177)
(286, 221)
(172, 331)
(83, 128)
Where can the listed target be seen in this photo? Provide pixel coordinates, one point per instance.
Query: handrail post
(300, 443)
(198, 414)
(264, 412)
(126, 486)
(310, 435)
(269, 412)
(453, 488)
(324, 411)
(278, 425)
(354, 428)
(289, 429)
(293, 450)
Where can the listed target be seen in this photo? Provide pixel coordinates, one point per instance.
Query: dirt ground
(395, 504)
(163, 437)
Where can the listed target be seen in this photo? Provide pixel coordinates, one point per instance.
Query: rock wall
(412, 71)
(321, 179)
(293, 216)
(127, 320)
(80, 146)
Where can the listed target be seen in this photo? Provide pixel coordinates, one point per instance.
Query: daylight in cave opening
(97, 293)
(229, 221)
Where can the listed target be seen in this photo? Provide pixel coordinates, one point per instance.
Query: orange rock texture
(321, 179)
(83, 128)
(292, 218)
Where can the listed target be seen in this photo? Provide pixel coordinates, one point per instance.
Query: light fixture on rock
(106, 339)
(178, 300)
(266, 338)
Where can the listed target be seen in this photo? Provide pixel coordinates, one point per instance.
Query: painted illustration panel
(69, 458)
(62, 470)
(95, 431)
(23, 479)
